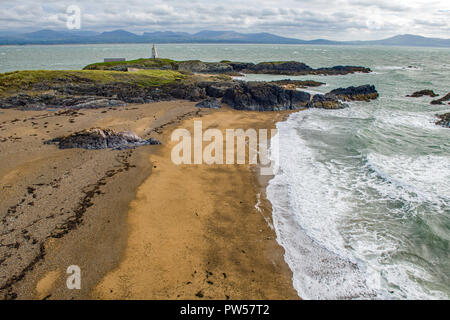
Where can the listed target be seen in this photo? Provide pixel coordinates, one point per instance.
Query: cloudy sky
(305, 19)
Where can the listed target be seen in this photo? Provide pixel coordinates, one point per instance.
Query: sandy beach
(137, 225)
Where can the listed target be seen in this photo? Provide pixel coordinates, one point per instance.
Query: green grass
(145, 63)
(14, 82)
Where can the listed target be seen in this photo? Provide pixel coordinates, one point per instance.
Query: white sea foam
(389, 67)
(422, 178)
(321, 270)
(336, 215)
(409, 119)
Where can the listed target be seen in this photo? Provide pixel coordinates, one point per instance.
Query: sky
(303, 19)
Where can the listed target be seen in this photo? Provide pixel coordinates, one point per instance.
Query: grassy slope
(14, 82)
(143, 63)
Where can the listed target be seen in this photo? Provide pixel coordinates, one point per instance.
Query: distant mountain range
(122, 36)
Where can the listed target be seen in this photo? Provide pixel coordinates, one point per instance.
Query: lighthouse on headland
(154, 52)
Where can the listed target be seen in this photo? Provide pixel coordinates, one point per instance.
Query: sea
(361, 202)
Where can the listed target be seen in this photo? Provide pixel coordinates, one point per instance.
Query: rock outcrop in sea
(444, 120)
(97, 138)
(334, 98)
(229, 67)
(361, 93)
(422, 93)
(294, 68)
(441, 100)
(276, 67)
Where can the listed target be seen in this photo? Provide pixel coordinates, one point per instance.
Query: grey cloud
(384, 5)
(303, 18)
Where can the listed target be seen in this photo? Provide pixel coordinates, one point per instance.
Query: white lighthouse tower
(154, 52)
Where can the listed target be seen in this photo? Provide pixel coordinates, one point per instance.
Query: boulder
(97, 138)
(185, 91)
(326, 102)
(211, 103)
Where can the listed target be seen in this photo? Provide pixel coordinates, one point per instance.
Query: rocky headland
(361, 93)
(91, 89)
(228, 67)
(444, 120)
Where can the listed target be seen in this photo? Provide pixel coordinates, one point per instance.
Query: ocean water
(361, 203)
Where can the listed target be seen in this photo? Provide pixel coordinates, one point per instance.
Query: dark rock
(441, 100)
(97, 138)
(235, 68)
(203, 67)
(325, 102)
(299, 99)
(422, 93)
(240, 66)
(211, 103)
(341, 70)
(444, 120)
(294, 84)
(293, 68)
(361, 93)
(99, 103)
(331, 99)
(185, 91)
(287, 67)
(263, 96)
(137, 100)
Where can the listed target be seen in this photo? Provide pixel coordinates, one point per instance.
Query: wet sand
(138, 226)
(195, 232)
(69, 207)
